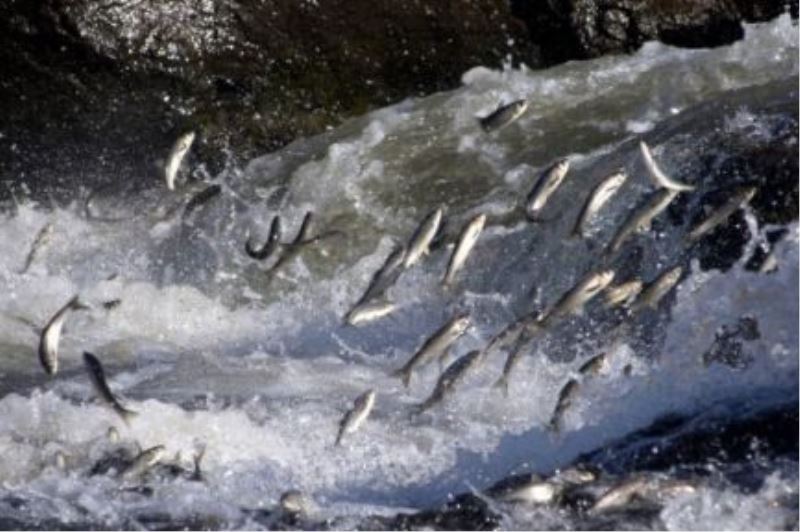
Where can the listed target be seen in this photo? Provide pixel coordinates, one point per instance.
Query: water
(215, 352)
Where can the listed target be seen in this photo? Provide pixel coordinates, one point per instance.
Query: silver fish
(466, 241)
(565, 398)
(42, 239)
(422, 238)
(657, 176)
(594, 365)
(639, 220)
(573, 301)
(503, 115)
(530, 330)
(179, 150)
(527, 488)
(354, 417)
(739, 198)
(621, 494)
(576, 475)
(622, 293)
(656, 290)
(370, 311)
(435, 346)
(450, 378)
(144, 462)
(386, 276)
(48, 341)
(547, 183)
(270, 246)
(597, 198)
(98, 377)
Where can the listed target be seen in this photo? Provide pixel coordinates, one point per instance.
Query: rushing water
(214, 351)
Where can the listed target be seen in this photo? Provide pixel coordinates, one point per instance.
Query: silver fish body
(621, 494)
(639, 220)
(503, 115)
(528, 332)
(657, 175)
(466, 241)
(526, 488)
(98, 378)
(354, 417)
(565, 398)
(369, 311)
(622, 293)
(739, 198)
(422, 238)
(176, 155)
(51, 335)
(451, 377)
(387, 275)
(656, 290)
(42, 239)
(435, 346)
(547, 183)
(145, 461)
(597, 198)
(574, 300)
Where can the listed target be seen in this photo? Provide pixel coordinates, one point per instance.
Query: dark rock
(464, 512)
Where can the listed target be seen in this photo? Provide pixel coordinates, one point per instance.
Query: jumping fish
(435, 346)
(598, 197)
(547, 183)
(653, 293)
(621, 494)
(503, 115)
(42, 239)
(294, 503)
(145, 461)
(573, 301)
(422, 238)
(528, 488)
(200, 199)
(354, 417)
(466, 241)
(450, 378)
(657, 176)
(48, 341)
(386, 276)
(270, 246)
(739, 198)
(179, 150)
(369, 311)
(565, 398)
(98, 377)
(531, 329)
(640, 219)
(594, 365)
(622, 293)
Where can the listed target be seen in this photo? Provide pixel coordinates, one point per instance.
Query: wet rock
(464, 512)
(728, 347)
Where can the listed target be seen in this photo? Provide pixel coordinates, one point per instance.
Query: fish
(386, 275)
(354, 417)
(597, 198)
(48, 341)
(98, 378)
(270, 246)
(594, 365)
(515, 355)
(503, 115)
(450, 378)
(740, 197)
(200, 199)
(565, 398)
(547, 183)
(435, 346)
(621, 494)
(656, 290)
(145, 461)
(574, 300)
(176, 155)
(370, 311)
(622, 293)
(639, 220)
(466, 241)
(576, 475)
(657, 176)
(293, 502)
(527, 488)
(42, 240)
(422, 238)
(511, 332)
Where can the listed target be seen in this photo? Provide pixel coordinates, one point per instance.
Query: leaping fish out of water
(450, 378)
(565, 398)
(51, 335)
(657, 176)
(528, 488)
(98, 378)
(547, 183)
(369, 311)
(503, 115)
(176, 155)
(145, 461)
(422, 238)
(573, 301)
(386, 275)
(597, 198)
(656, 290)
(466, 241)
(530, 330)
(435, 346)
(740, 197)
(270, 246)
(639, 220)
(354, 417)
(42, 239)
(622, 293)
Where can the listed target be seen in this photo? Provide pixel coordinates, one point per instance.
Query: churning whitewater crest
(257, 367)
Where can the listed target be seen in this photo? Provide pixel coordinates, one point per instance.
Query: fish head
(461, 323)
(597, 282)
